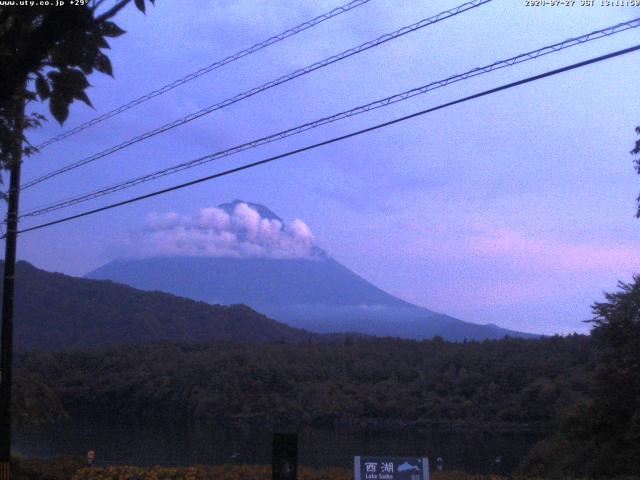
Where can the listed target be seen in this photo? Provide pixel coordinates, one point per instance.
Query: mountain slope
(241, 252)
(264, 282)
(317, 294)
(54, 311)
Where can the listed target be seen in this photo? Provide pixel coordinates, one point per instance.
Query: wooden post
(6, 354)
(285, 456)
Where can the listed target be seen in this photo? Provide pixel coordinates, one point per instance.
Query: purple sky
(516, 209)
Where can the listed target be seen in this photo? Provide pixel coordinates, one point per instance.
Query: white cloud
(214, 232)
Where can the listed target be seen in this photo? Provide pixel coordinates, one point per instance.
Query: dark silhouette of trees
(52, 50)
(636, 151)
(600, 437)
(46, 54)
(502, 385)
(615, 413)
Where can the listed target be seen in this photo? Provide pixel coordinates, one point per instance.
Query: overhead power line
(209, 68)
(336, 139)
(338, 116)
(266, 86)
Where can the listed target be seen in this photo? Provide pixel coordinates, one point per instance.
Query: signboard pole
(285, 456)
(425, 468)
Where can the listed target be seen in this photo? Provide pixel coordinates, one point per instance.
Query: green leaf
(42, 87)
(82, 96)
(74, 78)
(103, 64)
(60, 57)
(59, 108)
(101, 42)
(110, 29)
(87, 57)
(140, 5)
(28, 151)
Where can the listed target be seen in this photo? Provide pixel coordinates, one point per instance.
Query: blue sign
(390, 468)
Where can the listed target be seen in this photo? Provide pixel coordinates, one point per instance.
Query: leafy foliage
(511, 384)
(55, 311)
(58, 468)
(54, 49)
(603, 437)
(636, 151)
(46, 54)
(615, 415)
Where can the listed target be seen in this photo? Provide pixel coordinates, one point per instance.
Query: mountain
(317, 295)
(311, 291)
(54, 311)
(263, 211)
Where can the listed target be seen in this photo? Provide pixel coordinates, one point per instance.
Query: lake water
(250, 443)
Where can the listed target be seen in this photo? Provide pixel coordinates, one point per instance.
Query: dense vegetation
(57, 468)
(509, 384)
(602, 438)
(55, 311)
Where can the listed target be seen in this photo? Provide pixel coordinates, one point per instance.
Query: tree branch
(112, 11)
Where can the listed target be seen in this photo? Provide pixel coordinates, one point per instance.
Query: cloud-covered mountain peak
(237, 229)
(263, 211)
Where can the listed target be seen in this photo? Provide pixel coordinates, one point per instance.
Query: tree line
(507, 384)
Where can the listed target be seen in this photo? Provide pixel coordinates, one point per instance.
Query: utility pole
(6, 354)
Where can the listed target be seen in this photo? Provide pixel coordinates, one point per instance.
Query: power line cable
(209, 68)
(338, 116)
(335, 139)
(266, 86)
